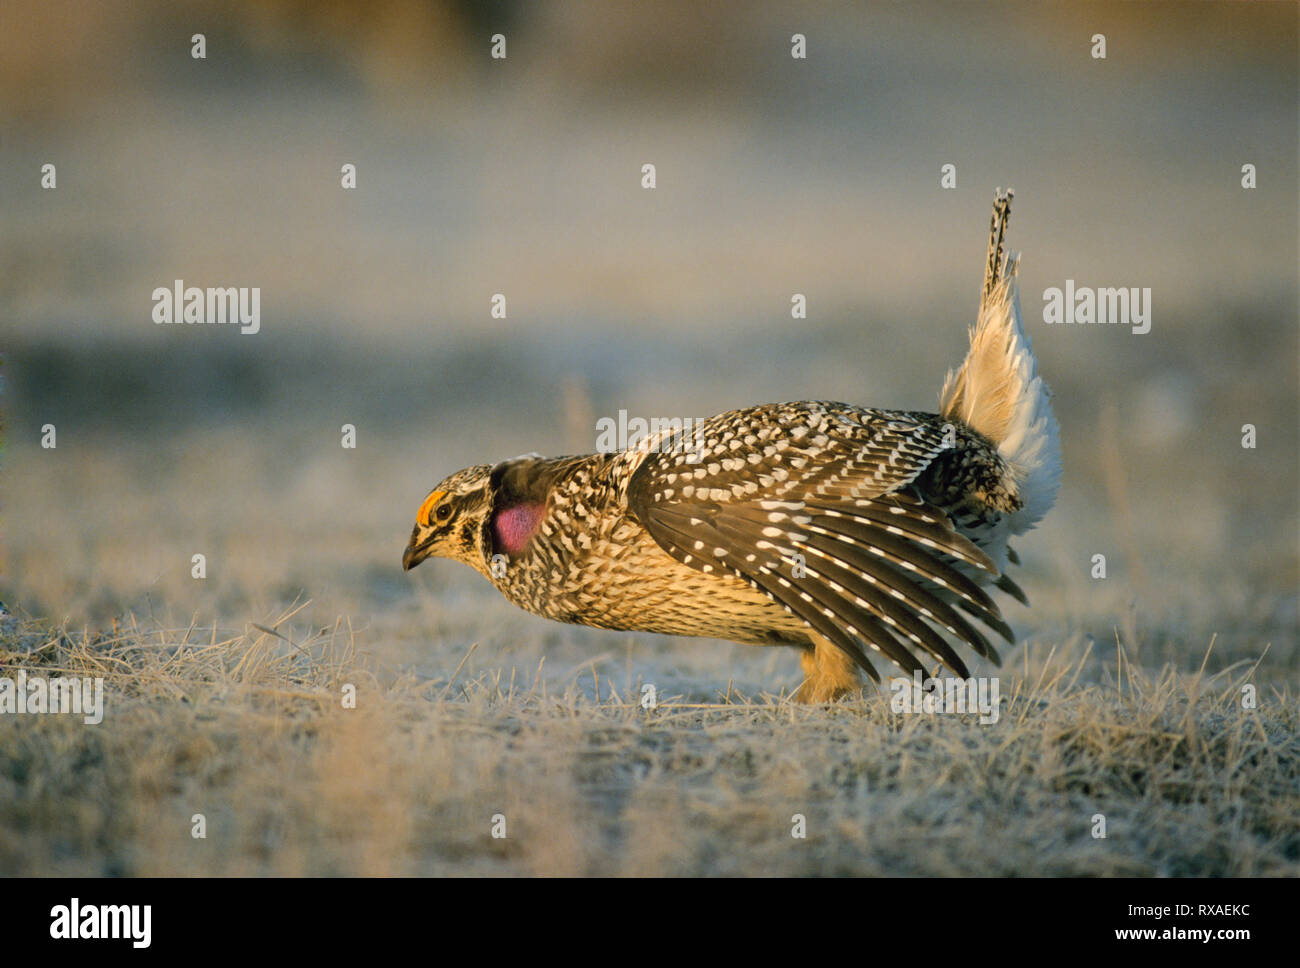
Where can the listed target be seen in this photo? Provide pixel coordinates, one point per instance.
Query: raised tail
(998, 392)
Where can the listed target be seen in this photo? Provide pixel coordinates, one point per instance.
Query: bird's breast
(610, 573)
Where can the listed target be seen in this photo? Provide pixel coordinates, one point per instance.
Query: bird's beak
(416, 551)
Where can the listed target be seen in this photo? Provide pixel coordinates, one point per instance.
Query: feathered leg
(829, 673)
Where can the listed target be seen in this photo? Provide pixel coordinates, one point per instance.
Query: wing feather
(764, 577)
(833, 484)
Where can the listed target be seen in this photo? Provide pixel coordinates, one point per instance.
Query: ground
(248, 728)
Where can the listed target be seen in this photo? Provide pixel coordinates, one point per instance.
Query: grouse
(845, 532)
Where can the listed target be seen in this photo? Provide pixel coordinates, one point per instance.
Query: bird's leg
(829, 673)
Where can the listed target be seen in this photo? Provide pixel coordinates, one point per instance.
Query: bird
(855, 535)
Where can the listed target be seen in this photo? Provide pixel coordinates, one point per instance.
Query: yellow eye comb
(425, 514)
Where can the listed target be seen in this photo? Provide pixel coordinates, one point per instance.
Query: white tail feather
(998, 391)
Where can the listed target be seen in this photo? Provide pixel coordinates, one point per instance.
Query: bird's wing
(811, 504)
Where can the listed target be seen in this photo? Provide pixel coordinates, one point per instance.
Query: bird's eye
(443, 512)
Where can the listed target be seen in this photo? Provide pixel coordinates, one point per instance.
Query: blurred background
(522, 176)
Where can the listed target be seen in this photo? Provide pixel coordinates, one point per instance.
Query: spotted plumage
(852, 534)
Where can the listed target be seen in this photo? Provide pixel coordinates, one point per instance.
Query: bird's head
(452, 522)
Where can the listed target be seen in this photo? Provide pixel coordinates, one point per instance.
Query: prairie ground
(246, 727)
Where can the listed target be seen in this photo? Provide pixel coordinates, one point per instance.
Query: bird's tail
(998, 391)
